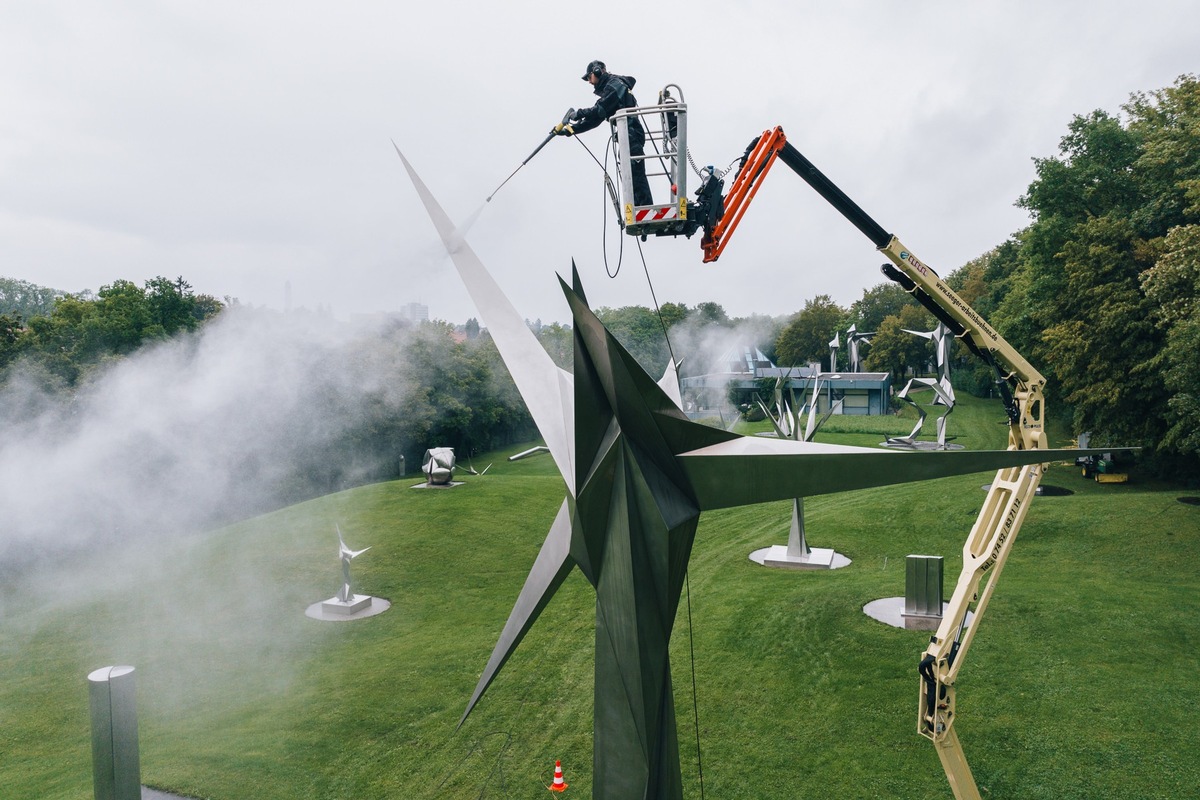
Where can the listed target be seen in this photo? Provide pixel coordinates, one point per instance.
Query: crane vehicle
(1021, 386)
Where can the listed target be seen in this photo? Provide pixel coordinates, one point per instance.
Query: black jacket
(616, 92)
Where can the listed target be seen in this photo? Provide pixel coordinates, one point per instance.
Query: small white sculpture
(346, 595)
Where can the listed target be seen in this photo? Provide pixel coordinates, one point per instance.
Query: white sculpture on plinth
(346, 604)
(345, 594)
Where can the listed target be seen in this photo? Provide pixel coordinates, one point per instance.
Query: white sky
(246, 145)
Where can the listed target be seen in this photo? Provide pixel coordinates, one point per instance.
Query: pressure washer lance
(553, 132)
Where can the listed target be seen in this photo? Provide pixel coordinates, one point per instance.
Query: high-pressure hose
(553, 132)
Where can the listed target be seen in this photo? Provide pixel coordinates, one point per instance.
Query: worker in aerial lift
(615, 92)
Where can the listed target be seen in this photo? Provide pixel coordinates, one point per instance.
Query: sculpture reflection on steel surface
(638, 474)
(438, 466)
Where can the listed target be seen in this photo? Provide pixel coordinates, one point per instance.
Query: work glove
(563, 129)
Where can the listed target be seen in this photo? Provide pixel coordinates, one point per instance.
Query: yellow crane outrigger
(991, 539)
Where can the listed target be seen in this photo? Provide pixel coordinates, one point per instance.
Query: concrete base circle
(317, 611)
(890, 611)
(818, 558)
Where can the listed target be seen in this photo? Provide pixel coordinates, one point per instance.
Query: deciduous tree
(806, 338)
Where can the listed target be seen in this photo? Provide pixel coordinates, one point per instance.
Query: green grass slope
(1082, 682)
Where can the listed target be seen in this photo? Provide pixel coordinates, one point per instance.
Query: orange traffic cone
(559, 784)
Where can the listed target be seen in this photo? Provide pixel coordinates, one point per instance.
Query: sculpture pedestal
(921, 622)
(817, 558)
(890, 611)
(797, 554)
(334, 610)
(346, 607)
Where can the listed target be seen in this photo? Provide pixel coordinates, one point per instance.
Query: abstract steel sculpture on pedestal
(638, 475)
(943, 393)
(346, 604)
(923, 592)
(941, 338)
(922, 605)
(438, 466)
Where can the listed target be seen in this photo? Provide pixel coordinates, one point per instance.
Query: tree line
(377, 394)
(63, 337)
(1101, 291)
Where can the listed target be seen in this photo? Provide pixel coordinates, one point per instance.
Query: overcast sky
(247, 145)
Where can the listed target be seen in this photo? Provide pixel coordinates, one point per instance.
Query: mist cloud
(191, 431)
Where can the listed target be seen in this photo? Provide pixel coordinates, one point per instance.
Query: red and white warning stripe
(655, 213)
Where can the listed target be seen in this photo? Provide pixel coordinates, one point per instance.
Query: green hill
(1082, 681)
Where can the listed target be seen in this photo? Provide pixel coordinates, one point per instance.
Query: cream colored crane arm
(991, 539)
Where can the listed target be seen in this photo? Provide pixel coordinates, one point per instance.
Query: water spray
(554, 132)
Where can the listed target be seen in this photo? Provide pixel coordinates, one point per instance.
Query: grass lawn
(1083, 681)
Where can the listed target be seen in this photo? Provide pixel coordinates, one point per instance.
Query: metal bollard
(116, 770)
(923, 592)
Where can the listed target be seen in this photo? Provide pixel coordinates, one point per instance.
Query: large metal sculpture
(638, 475)
(941, 338)
(943, 393)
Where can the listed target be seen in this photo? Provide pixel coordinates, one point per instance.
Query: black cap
(594, 68)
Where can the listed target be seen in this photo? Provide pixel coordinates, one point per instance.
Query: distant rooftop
(744, 360)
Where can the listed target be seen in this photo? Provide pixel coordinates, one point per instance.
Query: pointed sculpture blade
(549, 570)
(343, 550)
(655, 421)
(778, 424)
(669, 383)
(546, 389)
(757, 470)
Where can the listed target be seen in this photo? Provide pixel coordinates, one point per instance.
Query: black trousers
(637, 168)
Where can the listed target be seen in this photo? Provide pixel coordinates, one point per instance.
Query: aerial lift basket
(664, 156)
